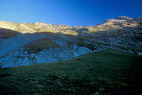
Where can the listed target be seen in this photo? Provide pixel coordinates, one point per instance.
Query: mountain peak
(123, 18)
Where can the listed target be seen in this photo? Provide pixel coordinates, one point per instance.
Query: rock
(123, 18)
(139, 53)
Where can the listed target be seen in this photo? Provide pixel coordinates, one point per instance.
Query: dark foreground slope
(107, 72)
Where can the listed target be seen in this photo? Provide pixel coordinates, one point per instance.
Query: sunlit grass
(97, 29)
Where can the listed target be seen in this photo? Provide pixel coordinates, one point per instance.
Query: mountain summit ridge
(118, 22)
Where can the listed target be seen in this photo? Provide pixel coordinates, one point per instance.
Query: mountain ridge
(122, 33)
(116, 23)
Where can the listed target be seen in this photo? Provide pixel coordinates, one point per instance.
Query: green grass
(40, 44)
(108, 72)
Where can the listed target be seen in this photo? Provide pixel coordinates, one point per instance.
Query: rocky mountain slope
(33, 43)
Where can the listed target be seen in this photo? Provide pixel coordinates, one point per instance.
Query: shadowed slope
(7, 33)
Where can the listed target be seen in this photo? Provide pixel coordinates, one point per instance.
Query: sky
(68, 12)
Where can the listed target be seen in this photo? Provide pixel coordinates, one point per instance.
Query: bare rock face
(139, 53)
(50, 43)
(122, 22)
(123, 18)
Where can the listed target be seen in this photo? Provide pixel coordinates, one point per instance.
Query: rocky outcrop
(20, 57)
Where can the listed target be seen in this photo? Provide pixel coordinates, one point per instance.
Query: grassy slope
(102, 73)
(40, 44)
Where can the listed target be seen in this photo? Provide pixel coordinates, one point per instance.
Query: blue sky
(69, 12)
